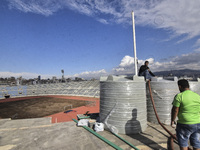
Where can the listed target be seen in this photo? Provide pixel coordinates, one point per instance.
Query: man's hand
(174, 113)
(173, 124)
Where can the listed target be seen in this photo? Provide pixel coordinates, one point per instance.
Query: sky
(94, 38)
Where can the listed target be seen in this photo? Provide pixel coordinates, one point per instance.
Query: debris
(98, 127)
(83, 122)
(69, 111)
(81, 116)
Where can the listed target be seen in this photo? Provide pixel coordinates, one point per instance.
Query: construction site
(33, 118)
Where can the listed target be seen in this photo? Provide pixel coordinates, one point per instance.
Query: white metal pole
(134, 44)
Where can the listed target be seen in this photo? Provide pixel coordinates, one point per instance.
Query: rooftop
(45, 133)
(40, 133)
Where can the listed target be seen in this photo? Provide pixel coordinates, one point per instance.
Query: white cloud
(84, 7)
(90, 74)
(103, 21)
(197, 50)
(185, 61)
(197, 44)
(44, 7)
(180, 17)
(126, 66)
(26, 75)
(126, 62)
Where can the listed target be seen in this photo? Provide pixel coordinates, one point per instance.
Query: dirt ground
(37, 107)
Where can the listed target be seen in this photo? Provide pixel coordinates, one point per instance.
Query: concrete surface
(20, 123)
(61, 136)
(42, 135)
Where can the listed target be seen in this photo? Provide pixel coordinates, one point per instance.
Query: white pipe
(134, 44)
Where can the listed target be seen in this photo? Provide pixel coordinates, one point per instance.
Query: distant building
(39, 78)
(186, 78)
(79, 79)
(68, 79)
(54, 79)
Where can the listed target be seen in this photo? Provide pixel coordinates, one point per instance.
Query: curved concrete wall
(195, 86)
(123, 105)
(163, 94)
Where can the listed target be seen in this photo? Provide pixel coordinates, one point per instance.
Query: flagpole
(134, 44)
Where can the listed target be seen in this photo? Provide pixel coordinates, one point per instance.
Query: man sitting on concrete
(145, 71)
(186, 106)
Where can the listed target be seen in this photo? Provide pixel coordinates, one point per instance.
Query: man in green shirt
(186, 106)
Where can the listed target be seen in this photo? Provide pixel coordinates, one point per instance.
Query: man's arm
(151, 73)
(174, 114)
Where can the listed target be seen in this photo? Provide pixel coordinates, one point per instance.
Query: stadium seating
(81, 88)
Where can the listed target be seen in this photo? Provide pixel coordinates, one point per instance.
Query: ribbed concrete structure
(123, 104)
(195, 86)
(163, 92)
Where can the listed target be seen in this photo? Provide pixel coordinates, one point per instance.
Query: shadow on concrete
(158, 130)
(133, 130)
(175, 143)
(133, 126)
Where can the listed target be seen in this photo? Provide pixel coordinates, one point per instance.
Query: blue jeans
(186, 132)
(146, 74)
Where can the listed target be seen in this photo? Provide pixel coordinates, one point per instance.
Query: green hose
(99, 136)
(125, 141)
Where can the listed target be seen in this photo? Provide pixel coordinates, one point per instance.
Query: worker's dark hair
(146, 62)
(183, 83)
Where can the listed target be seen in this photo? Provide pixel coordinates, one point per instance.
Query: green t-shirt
(189, 107)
